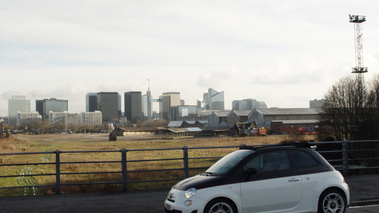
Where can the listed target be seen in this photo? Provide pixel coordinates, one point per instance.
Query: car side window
(304, 160)
(269, 161)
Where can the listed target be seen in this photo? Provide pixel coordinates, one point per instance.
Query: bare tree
(371, 127)
(352, 109)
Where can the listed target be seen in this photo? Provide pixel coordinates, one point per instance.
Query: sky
(284, 53)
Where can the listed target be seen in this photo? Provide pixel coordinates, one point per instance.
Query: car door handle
(294, 180)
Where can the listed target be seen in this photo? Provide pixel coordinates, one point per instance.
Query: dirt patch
(11, 143)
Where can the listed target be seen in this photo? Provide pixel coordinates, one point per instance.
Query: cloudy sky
(282, 52)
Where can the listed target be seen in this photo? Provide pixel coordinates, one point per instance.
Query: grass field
(86, 142)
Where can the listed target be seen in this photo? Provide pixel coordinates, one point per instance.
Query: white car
(278, 178)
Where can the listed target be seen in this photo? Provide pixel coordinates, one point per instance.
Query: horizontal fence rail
(349, 157)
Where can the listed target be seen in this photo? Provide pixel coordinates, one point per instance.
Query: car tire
(220, 205)
(332, 201)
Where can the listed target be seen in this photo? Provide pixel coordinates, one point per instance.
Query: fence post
(57, 172)
(345, 156)
(185, 161)
(124, 169)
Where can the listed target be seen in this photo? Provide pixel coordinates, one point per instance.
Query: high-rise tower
(133, 106)
(15, 105)
(149, 102)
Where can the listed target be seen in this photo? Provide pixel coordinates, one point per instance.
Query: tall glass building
(248, 104)
(17, 104)
(44, 107)
(216, 100)
(91, 102)
(168, 100)
(133, 106)
(108, 103)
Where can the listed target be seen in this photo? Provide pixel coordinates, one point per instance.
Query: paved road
(364, 191)
(363, 209)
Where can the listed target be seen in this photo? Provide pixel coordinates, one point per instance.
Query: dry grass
(43, 143)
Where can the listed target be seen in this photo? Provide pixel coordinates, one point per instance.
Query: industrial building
(235, 116)
(316, 103)
(218, 119)
(298, 127)
(263, 116)
(277, 120)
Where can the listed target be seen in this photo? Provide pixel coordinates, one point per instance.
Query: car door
(313, 173)
(273, 187)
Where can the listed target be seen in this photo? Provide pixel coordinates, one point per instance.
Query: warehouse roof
(221, 113)
(241, 112)
(296, 121)
(289, 111)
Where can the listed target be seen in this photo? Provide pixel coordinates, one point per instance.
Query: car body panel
(175, 199)
(296, 188)
(272, 194)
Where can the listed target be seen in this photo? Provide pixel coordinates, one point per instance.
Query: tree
(371, 128)
(352, 114)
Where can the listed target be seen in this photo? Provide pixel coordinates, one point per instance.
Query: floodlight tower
(358, 20)
(359, 69)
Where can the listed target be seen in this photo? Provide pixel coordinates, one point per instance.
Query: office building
(55, 117)
(248, 104)
(133, 106)
(119, 106)
(168, 100)
(15, 105)
(147, 107)
(185, 112)
(147, 104)
(91, 118)
(71, 120)
(214, 100)
(26, 117)
(44, 107)
(91, 102)
(108, 104)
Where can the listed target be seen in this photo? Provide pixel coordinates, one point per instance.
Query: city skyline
(283, 53)
(91, 103)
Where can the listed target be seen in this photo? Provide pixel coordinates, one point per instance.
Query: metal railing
(346, 156)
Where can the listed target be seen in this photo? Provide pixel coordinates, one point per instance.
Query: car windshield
(227, 163)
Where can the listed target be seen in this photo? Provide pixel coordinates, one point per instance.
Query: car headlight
(190, 193)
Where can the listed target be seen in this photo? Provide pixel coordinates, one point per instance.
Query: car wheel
(220, 205)
(332, 201)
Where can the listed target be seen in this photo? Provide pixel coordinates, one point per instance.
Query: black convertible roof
(290, 144)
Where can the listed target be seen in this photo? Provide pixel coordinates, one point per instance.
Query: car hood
(202, 181)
